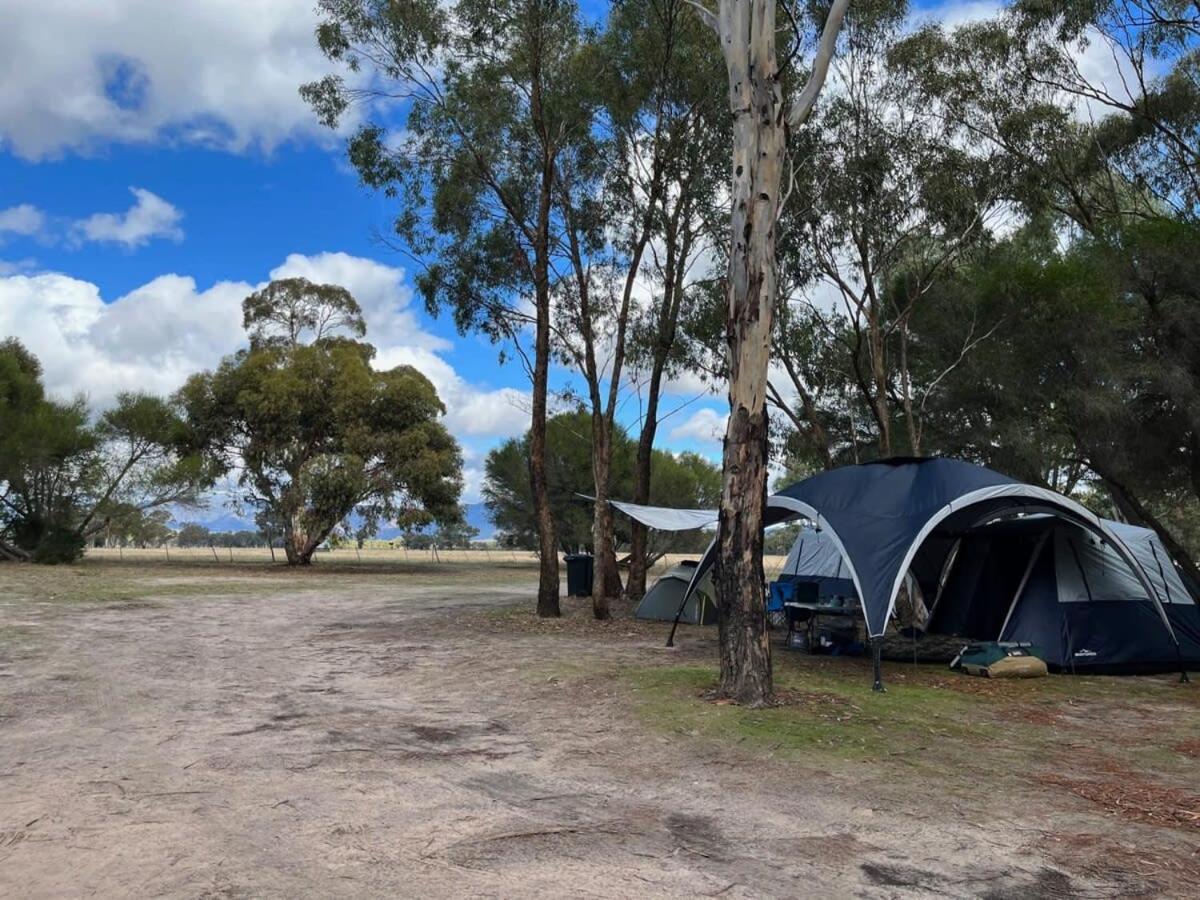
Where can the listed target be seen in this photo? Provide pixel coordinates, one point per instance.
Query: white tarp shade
(664, 518)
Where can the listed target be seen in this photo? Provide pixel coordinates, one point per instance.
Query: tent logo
(1079, 653)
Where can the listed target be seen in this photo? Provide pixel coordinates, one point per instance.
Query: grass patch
(964, 731)
(823, 716)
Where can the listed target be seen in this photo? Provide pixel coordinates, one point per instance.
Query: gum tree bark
(548, 584)
(747, 33)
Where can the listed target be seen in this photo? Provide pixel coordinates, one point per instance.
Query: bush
(58, 545)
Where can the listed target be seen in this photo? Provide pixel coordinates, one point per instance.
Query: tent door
(1033, 557)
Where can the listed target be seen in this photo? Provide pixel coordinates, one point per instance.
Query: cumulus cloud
(224, 73)
(24, 220)
(150, 339)
(705, 426)
(150, 217)
(154, 337)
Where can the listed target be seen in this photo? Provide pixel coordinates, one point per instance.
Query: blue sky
(156, 164)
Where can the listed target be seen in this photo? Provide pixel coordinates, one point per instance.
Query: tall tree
(628, 196)
(593, 310)
(314, 433)
(747, 31)
(670, 146)
(884, 203)
(470, 106)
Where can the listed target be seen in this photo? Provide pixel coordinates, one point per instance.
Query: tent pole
(876, 652)
(678, 616)
(944, 575)
(692, 584)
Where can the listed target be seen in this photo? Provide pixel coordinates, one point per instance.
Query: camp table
(805, 607)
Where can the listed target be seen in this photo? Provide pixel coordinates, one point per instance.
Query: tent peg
(876, 654)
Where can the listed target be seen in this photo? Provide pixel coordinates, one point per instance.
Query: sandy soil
(355, 740)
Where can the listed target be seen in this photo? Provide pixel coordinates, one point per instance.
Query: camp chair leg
(876, 654)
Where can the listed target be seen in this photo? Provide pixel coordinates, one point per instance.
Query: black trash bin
(579, 574)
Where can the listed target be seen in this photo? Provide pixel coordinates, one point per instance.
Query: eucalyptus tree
(467, 108)
(885, 204)
(672, 137)
(632, 201)
(313, 433)
(65, 476)
(747, 32)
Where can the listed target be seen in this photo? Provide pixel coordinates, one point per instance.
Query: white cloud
(380, 290)
(471, 411)
(17, 266)
(150, 217)
(225, 73)
(154, 337)
(705, 426)
(151, 339)
(24, 220)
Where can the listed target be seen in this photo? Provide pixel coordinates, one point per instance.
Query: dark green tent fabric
(661, 602)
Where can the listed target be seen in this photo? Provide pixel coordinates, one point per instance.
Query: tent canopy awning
(879, 514)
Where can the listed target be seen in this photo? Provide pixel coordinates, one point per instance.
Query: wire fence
(367, 555)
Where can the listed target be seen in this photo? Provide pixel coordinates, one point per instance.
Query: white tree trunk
(747, 31)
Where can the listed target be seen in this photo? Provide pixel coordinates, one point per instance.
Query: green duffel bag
(1000, 659)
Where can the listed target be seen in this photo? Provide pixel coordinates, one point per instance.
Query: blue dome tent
(882, 515)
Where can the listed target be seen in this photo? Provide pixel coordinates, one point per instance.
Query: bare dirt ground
(176, 731)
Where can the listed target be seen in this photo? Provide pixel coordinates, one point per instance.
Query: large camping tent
(896, 515)
(664, 599)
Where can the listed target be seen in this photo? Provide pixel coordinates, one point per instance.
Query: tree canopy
(64, 478)
(683, 480)
(314, 433)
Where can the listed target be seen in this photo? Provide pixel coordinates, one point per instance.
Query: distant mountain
(213, 520)
(476, 515)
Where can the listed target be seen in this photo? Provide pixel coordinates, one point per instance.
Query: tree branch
(706, 15)
(804, 103)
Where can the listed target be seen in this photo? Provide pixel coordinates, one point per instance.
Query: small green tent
(662, 601)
